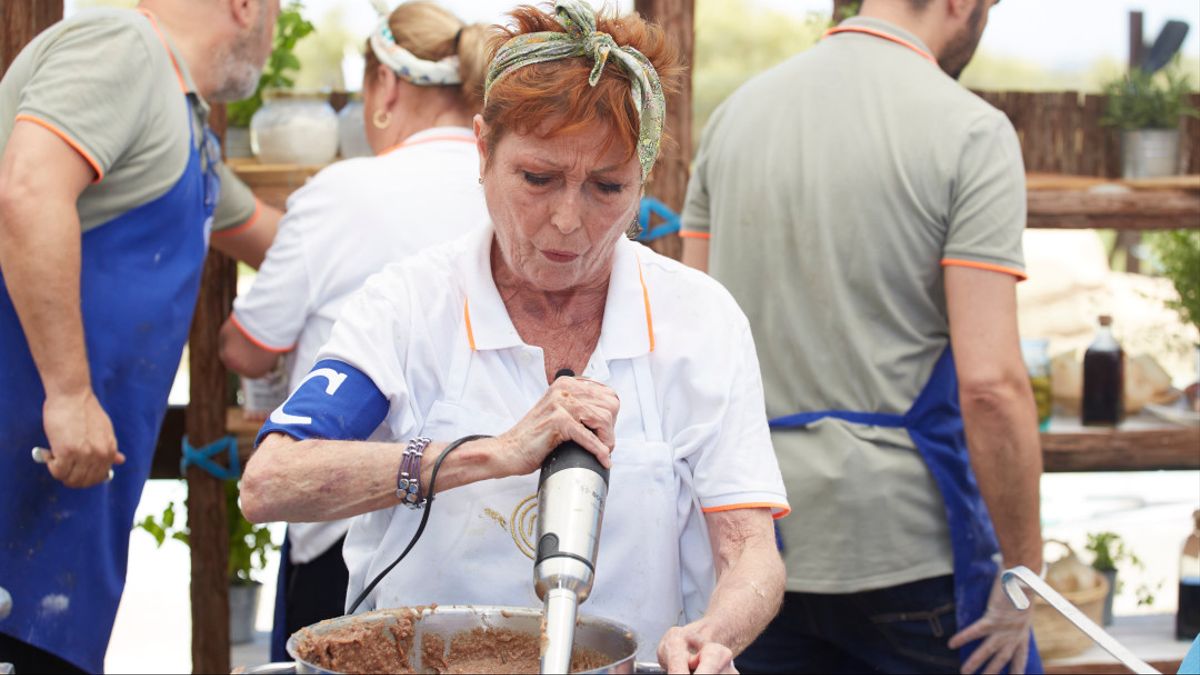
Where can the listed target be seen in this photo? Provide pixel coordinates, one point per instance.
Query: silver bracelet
(408, 482)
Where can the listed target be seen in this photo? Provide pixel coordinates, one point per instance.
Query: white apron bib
(479, 544)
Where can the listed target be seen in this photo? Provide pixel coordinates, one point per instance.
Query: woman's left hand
(685, 649)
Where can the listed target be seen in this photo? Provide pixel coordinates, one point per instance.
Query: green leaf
(1140, 100)
(290, 28)
(289, 62)
(1177, 257)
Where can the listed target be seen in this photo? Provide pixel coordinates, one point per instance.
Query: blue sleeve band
(335, 401)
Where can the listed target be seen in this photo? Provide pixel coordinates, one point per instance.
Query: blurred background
(1029, 45)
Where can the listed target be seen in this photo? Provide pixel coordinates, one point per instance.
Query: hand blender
(571, 491)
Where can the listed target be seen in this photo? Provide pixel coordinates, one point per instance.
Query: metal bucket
(1149, 153)
(611, 639)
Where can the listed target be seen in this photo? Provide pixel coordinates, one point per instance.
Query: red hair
(554, 97)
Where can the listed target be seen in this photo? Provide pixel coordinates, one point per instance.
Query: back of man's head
(951, 28)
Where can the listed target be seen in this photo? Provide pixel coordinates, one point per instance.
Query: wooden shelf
(1083, 202)
(272, 183)
(1037, 182)
(1164, 449)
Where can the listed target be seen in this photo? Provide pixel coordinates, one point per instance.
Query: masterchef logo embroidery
(523, 525)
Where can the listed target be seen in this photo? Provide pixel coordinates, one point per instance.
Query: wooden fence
(1060, 132)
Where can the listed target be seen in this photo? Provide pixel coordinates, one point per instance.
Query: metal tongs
(1012, 580)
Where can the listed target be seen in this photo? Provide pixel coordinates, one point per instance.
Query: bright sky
(1057, 34)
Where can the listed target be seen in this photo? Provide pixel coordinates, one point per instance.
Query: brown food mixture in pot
(385, 648)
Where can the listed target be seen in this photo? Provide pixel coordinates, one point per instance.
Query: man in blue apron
(110, 185)
(866, 212)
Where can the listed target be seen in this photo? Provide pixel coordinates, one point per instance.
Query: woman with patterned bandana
(423, 84)
(467, 338)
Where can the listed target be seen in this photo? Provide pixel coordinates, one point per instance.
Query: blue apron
(935, 425)
(63, 551)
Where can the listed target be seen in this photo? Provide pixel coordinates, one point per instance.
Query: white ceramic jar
(294, 128)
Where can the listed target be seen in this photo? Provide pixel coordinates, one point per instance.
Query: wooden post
(669, 181)
(20, 22)
(205, 423)
(1127, 240)
(1137, 41)
(1190, 140)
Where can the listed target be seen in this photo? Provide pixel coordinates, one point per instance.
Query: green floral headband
(582, 39)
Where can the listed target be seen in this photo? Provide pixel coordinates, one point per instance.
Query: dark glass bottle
(1103, 378)
(1187, 619)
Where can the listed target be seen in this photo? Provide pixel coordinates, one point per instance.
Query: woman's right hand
(573, 408)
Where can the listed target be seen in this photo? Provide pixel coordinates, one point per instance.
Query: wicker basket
(1056, 636)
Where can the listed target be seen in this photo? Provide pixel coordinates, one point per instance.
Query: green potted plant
(1109, 551)
(1146, 108)
(248, 548)
(290, 28)
(1177, 254)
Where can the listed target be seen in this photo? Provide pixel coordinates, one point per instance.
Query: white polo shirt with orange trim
(835, 188)
(345, 224)
(433, 337)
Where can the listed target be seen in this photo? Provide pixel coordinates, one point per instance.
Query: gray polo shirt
(102, 81)
(835, 187)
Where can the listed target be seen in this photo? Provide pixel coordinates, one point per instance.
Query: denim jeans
(902, 629)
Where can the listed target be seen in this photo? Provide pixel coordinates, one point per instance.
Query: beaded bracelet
(408, 482)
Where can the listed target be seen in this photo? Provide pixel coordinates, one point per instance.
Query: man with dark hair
(111, 184)
(866, 212)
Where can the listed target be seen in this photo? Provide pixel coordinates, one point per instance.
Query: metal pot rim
(476, 610)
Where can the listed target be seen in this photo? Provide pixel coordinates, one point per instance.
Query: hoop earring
(635, 229)
(382, 119)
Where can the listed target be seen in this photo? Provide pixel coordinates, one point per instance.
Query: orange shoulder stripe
(229, 231)
(955, 262)
(257, 343)
(777, 510)
(87, 157)
(694, 235)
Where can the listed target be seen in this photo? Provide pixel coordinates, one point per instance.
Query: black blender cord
(424, 518)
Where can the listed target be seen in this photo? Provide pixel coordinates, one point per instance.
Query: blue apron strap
(802, 420)
(279, 633)
(935, 425)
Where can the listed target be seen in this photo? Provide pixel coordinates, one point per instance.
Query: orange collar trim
(467, 318)
(175, 64)
(645, 302)
(881, 34)
(429, 139)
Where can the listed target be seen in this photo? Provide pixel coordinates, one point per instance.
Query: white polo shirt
(344, 225)
(427, 349)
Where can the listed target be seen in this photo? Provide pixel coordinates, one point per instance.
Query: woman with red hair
(468, 339)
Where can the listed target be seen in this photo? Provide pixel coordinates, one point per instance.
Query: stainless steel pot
(613, 640)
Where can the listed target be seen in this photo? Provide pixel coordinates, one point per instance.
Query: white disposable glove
(1004, 630)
